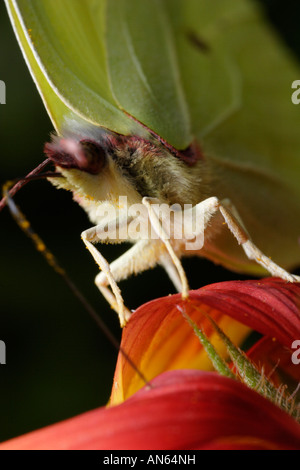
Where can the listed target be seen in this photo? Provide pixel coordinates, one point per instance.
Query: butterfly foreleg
(205, 211)
(143, 255)
(235, 225)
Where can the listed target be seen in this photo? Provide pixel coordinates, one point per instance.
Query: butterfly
(170, 102)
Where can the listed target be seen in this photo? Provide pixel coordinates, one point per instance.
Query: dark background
(59, 363)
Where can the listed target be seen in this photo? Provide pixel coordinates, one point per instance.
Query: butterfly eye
(85, 155)
(94, 156)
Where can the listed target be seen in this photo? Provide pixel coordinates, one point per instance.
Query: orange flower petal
(157, 338)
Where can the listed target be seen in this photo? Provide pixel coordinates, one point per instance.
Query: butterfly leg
(180, 278)
(113, 296)
(143, 255)
(205, 210)
(191, 226)
(237, 228)
(168, 265)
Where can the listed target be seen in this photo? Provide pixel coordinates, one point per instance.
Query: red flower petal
(270, 306)
(275, 359)
(184, 410)
(157, 337)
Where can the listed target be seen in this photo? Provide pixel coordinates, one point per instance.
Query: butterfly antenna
(10, 188)
(24, 224)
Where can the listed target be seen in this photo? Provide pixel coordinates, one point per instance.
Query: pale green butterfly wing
(218, 60)
(66, 40)
(237, 77)
(143, 68)
(101, 60)
(55, 107)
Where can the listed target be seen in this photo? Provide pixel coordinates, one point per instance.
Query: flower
(188, 408)
(185, 409)
(158, 338)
